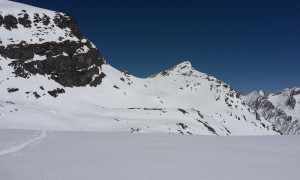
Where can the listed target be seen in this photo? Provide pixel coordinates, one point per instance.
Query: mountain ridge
(66, 85)
(281, 108)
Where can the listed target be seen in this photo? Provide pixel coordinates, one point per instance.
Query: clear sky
(250, 45)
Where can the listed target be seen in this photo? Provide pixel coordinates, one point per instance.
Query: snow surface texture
(180, 100)
(281, 108)
(13, 148)
(95, 155)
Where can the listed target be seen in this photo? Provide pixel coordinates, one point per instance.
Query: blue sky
(248, 44)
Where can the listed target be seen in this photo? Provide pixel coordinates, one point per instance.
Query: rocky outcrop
(61, 62)
(69, 63)
(65, 21)
(44, 19)
(279, 108)
(1, 20)
(57, 91)
(25, 21)
(11, 90)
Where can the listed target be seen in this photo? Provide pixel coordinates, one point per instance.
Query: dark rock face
(295, 92)
(65, 62)
(25, 21)
(69, 69)
(183, 111)
(56, 92)
(10, 90)
(265, 104)
(45, 19)
(76, 78)
(183, 126)
(10, 22)
(36, 95)
(64, 21)
(1, 20)
(281, 120)
(291, 102)
(97, 80)
(21, 52)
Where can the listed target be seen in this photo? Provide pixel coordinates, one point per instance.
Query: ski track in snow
(16, 148)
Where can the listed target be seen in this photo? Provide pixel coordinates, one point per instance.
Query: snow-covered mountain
(281, 108)
(52, 78)
(48, 43)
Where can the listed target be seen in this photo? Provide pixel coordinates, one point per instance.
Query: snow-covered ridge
(175, 104)
(20, 22)
(11, 7)
(185, 68)
(64, 84)
(281, 108)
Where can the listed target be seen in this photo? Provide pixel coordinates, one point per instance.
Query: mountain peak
(262, 93)
(185, 64)
(185, 68)
(258, 93)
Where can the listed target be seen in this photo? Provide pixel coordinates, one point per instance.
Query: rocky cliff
(281, 108)
(36, 41)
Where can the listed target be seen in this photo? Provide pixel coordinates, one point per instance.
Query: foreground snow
(30, 155)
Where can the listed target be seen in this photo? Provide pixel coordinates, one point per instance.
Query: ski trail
(24, 144)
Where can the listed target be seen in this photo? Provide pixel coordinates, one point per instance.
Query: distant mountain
(52, 78)
(281, 108)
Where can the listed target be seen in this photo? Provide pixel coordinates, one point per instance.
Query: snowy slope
(95, 155)
(41, 29)
(197, 104)
(64, 84)
(281, 108)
